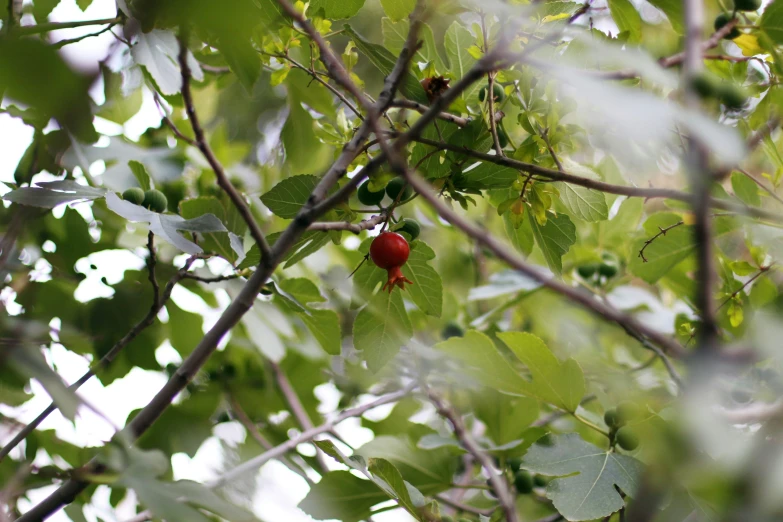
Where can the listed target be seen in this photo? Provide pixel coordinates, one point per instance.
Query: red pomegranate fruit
(390, 251)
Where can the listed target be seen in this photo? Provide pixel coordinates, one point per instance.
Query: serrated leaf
(381, 328)
(522, 236)
(157, 51)
(673, 11)
(486, 176)
(457, 41)
(140, 173)
(583, 203)
(561, 384)
(166, 226)
(335, 9)
(287, 197)
(398, 9)
(384, 60)
(323, 324)
(343, 496)
(427, 288)
(627, 18)
(53, 193)
(745, 189)
(589, 474)
(395, 34)
(771, 21)
(554, 238)
(429, 471)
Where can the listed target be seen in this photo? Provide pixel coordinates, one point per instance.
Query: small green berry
(587, 271)
(720, 21)
(609, 266)
(497, 89)
(523, 481)
(396, 185)
(502, 138)
(155, 200)
(540, 481)
(732, 96)
(627, 439)
(410, 227)
(747, 5)
(452, 330)
(514, 463)
(133, 195)
(368, 197)
(611, 419)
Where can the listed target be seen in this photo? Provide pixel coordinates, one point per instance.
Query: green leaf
(30, 362)
(583, 203)
(141, 174)
(199, 495)
(483, 363)
(323, 324)
(427, 288)
(673, 11)
(381, 328)
(561, 384)
(243, 60)
(745, 189)
(665, 252)
(304, 153)
(287, 197)
(554, 239)
(218, 242)
(398, 9)
(41, 9)
(429, 471)
(395, 34)
(457, 41)
(505, 416)
(83, 4)
(335, 9)
(53, 193)
(486, 176)
(590, 475)
(118, 107)
(384, 60)
(522, 236)
(627, 18)
(157, 51)
(396, 487)
(343, 496)
(185, 329)
(771, 21)
(308, 243)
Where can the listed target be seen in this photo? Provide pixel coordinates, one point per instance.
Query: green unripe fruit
(705, 84)
(396, 185)
(502, 138)
(499, 96)
(539, 481)
(410, 227)
(747, 5)
(627, 439)
(368, 197)
(627, 411)
(611, 418)
(721, 20)
(732, 96)
(155, 200)
(514, 463)
(609, 267)
(133, 195)
(452, 330)
(523, 481)
(587, 271)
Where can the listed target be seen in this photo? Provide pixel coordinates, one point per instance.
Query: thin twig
(356, 228)
(762, 270)
(499, 485)
(54, 26)
(421, 108)
(297, 409)
(151, 262)
(662, 232)
(203, 146)
(170, 124)
(459, 506)
(761, 185)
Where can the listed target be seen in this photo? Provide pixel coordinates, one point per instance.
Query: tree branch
(54, 26)
(497, 481)
(421, 109)
(203, 146)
